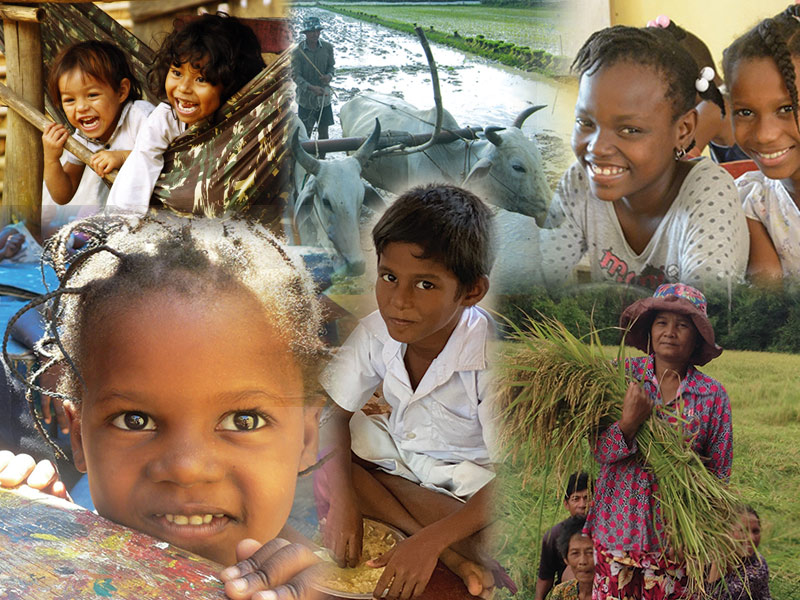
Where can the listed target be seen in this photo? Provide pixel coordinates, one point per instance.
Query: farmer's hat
(672, 297)
(311, 24)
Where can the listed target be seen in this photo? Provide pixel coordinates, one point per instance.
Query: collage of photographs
(435, 299)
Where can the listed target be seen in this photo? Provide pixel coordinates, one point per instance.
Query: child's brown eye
(134, 421)
(243, 421)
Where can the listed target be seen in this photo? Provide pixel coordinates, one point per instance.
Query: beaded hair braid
(777, 38)
(647, 46)
(702, 56)
(128, 257)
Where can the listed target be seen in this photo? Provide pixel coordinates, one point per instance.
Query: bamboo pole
(28, 14)
(22, 190)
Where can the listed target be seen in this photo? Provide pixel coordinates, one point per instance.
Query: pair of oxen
(504, 168)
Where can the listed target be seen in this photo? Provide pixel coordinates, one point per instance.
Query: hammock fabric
(238, 162)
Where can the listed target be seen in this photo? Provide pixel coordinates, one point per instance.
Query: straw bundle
(558, 391)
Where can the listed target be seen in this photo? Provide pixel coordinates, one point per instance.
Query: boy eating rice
(425, 468)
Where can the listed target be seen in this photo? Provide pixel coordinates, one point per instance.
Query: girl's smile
(625, 132)
(764, 120)
(192, 96)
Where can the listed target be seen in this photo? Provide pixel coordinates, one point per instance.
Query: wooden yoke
(22, 190)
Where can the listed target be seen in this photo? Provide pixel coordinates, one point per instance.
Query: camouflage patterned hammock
(239, 162)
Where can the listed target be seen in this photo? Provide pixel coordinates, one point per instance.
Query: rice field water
(764, 389)
(536, 28)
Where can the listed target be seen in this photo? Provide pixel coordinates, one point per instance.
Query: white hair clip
(702, 82)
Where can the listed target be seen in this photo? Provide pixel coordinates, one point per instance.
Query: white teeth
(191, 519)
(606, 170)
(774, 154)
(186, 107)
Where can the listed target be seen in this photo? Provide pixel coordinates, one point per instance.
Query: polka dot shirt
(701, 240)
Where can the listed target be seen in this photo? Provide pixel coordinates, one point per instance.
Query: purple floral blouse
(625, 515)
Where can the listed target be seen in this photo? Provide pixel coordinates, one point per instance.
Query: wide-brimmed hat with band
(672, 297)
(311, 24)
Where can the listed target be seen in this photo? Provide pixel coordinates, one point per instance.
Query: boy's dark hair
(226, 50)
(776, 38)
(450, 224)
(577, 482)
(104, 61)
(652, 47)
(570, 527)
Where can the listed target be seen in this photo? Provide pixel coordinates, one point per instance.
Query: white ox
(505, 169)
(330, 195)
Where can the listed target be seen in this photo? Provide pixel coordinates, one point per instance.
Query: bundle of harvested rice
(559, 391)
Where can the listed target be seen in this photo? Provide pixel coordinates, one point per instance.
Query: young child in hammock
(195, 344)
(101, 98)
(198, 68)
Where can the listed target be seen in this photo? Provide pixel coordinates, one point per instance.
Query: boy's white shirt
(137, 178)
(448, 416)
(92, 193)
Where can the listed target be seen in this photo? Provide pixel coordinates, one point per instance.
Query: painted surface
(54, 550)
(716, 22)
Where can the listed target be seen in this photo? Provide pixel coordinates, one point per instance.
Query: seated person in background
(425, 468)
(751, 580)
(577, 550)
(577, 499)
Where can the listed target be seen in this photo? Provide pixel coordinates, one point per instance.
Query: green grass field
(765, 396)
(532, 27)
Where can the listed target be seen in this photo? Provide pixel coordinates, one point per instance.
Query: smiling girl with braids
(642, 215)
(761, 71)
(189, 349)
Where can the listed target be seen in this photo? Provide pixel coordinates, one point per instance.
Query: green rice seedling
(558, 391)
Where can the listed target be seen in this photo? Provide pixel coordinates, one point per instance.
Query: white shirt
(92, 193)
(767, 201)
(137, 178)
(701, 240)
(449, 415)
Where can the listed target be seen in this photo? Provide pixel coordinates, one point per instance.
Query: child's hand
(54, 136)
(21, 469)
(343, 532)
(409, 566)
(278, 570)
(11, 241)
(105, 161)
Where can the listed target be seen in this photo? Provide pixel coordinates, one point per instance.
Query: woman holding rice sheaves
(626, 523)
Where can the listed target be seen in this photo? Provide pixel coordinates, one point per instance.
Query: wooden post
(22, 190)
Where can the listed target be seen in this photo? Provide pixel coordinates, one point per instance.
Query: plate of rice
(359, 581)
